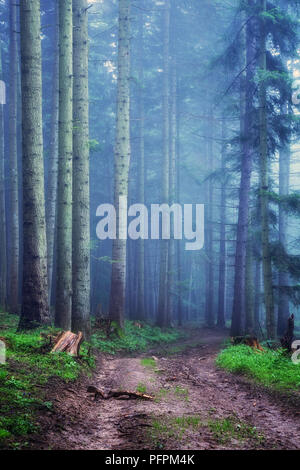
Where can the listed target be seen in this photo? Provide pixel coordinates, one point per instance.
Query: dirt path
(197, 406)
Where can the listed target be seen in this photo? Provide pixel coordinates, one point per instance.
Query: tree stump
(68, 342)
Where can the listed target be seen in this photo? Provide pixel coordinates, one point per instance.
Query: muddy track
(193, 398)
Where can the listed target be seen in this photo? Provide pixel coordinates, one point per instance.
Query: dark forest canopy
(150, 102)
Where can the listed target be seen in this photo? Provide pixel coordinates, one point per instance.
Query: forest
(149, 224)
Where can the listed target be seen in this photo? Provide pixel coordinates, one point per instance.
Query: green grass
(181, 393)
(141, 388)
(272, 368)
(229, 428)
(27, 369)
(148, 362)
(134, 338)
(164, 428)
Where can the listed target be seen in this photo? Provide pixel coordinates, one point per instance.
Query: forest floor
(196, 405)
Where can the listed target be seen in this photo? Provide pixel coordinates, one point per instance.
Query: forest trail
(228, 412)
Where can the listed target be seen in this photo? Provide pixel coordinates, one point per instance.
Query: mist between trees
(111, 104)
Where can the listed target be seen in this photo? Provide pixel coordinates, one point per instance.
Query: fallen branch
(117, 394)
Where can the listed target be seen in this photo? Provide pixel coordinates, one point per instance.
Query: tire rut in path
(186, 384)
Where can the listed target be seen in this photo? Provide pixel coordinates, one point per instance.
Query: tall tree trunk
(13, 298)
(3, 253)
(209, 298)
(163, 313)
(257, 300)
(53, 164)
(173, 267)
(122, 160)
(141, 183)
(63, 304)
(222, 265)
(249, 288)
(35, 308)
(283, 300)
(246, 169)
(81, 196)
(264, 186)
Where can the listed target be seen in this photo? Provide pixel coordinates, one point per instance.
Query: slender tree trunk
(264, 187)
(179, 261)
(141, 168)
(283, 300)
(257, 301)
(163, 313)
(63, 304)
(249, 288)
(122, 160)
(3, 258)
(35, 308)
(81, 196)
(53, 164)
(13, 165)
(222, 265)
(246, 170)
(209, 301)
(173, 267)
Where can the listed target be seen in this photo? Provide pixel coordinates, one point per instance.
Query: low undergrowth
(29, 366)
(226, 429)
(272, 368)
(166, 430)
(27, 369)
(135, 337)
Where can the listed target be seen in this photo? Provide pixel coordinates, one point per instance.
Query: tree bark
(122, 160)
(173, 266)
(249, 288)
(246, 170)
(13, 297)
(209, 299)
(3, 252)
(163, 308)
(141, 310)
(222, 264)
(53, 164)
(81, 196)
(63, 303)
(264, 187)
(283, 278)
(35, 308)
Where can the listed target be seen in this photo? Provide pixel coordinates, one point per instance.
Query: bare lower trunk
(13, 165)
(173, 267)
(3, 259)
(283, 278)
(246, 169)
(81, 196)
(222, 265)
(249, 288)
(141, 248)
(35, 308)
(63, 303)
(53, 164)
(122, 160)
(264, 188)
(163, 308)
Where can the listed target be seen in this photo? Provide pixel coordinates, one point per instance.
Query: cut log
(117, 394)
(68, 342)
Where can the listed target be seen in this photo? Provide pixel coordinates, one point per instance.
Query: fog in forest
(189, 103)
